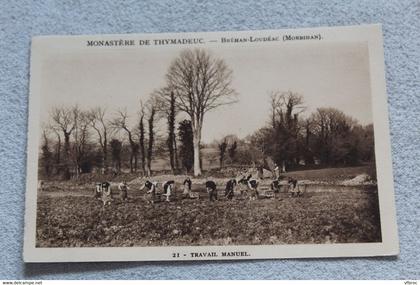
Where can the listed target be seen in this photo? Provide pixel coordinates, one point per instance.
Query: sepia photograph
(191, 143)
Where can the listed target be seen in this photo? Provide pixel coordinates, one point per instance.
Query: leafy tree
(167, 103)
(46, 155)
(152, 107)
(57, 150)
(222, 151)
(142, 138)
(327, 135)
(232, 151)
(336, 142)
(282, 141)
(116, 148)
(186, 149)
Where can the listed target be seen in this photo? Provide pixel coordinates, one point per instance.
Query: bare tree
(101, 125)
(285, 108)
(201, 83)
(63, 120)
(57, 156)
(120, 123)
(275, 106)
(82, 121)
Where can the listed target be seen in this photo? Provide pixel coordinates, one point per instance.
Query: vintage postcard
(206, 146)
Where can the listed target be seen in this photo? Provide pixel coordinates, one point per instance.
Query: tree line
(76, 141)
(196, 83)
(326, 137)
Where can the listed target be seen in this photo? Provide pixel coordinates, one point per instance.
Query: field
(68, 216)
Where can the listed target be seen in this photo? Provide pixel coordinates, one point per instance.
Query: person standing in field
(211, 189)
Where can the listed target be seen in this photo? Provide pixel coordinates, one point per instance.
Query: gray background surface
(20, 20)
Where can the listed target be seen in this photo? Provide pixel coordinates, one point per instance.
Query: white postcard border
(372, 34)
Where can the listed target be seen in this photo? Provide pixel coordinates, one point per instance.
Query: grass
(325, 175)
(329, 174)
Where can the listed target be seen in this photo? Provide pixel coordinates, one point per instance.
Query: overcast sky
(326, 74)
